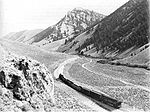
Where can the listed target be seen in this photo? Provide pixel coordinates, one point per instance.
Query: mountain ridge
(125, 28)
(22, 36)
(72, 23)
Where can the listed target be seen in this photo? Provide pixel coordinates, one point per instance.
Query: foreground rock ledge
(25, 85)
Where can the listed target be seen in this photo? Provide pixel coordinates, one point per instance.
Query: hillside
(22, 36)
(140, 56)
(74, 22)
(52, 46)
(123, 31)
(48, 58)
(14, 35)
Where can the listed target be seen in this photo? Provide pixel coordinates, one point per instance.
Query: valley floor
(131, 86)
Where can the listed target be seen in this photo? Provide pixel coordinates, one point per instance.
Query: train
(92, 94)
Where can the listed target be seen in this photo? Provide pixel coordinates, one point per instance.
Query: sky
(18, 15)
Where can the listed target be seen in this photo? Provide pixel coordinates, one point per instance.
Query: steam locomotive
(97, 96)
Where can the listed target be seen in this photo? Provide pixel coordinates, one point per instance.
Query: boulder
(26, 81)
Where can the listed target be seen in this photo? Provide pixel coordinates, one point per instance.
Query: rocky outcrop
(25, 84)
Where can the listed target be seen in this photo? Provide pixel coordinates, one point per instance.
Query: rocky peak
(79, 9)
(74, 22)
(85, 15)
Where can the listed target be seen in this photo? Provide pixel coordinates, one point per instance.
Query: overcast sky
(17, 15)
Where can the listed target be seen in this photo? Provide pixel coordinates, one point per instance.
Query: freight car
(97, 96)
(110, 101)
(78, 88)
(86, 92)
(70, 83)
(66, 81)
(102, 98)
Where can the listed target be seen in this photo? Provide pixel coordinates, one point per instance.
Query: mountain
(122, 32)
(74, 22)
(14, 35)
(22, 36)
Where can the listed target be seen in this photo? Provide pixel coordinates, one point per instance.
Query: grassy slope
(52, 46)
(142, 57)
(132, 75)
(15, 36)
(28, 34)
(48, 58)
(84, 76)
(22, 36)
